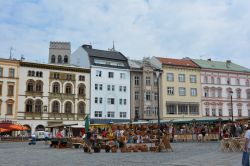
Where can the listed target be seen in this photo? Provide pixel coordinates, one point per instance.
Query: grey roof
(135, 63)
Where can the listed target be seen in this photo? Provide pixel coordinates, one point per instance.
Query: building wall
(176, 98)
(59, 49)
(104, 80)
(211, 99)
(5, 81)
(80, 58)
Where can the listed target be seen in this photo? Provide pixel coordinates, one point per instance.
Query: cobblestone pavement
(185, 154)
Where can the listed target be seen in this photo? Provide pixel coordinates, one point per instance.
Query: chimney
(209, 59)
(87, 46)
(228, 62)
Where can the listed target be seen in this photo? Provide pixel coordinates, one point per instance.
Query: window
(170, 90)
(100, 100)
(111, 75)
(30, 86)
(38, 106)
(96, 100)
(98, 114)
(98, 73)
(68, 107)
(120, 88)
(219, 92)
(59, 59)
(136, 80)
(10, 90)
(1, 72)
(147, 96)
(228, 81)
(193, 92)
(39, 86)
(81, 108)
(212, 80)
(213, 92)
(194, 109)
(147, 81)
(56, 75)
(100, 86)
(237, 81)
(120, 101)
(96, 86)
(29, 106)
(125, 101)
(111, 114)
(230, 112)
(182, 91)
(183, 109)
(12, 73)
(148, 111)
(213, 112)
(1, 86)
(137, 95)
(207, 111)
(218, 80)
(113, 87)
(192, 78)
(111, 101)
(170, 76)
(122, 76)
(56, 87)
(137, 113)
(53, 59)
(248, 94)
(206, 92)
(156, 96)
(205, 79)
(238, 93)
(108, 87)
(81, 78)
(32, 73)
(68, 88)
(220, 112)
(171, 109)
(181, 77)
(9, 109)
(55, 107)
(123, 114)
(124, 88)
(239, 112)
(81, 90)
(66, 59)
(69, 77)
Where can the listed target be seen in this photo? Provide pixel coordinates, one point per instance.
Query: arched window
(248, 93)
(38, 106)
(68, 88)
(56, 87)
(37, 74)
(29, 106)
(53, 59)
(39, 86)
(68, 107)
(66, 60)
(81, 108)
(81, 90)
(55, 107)
(238, 93)
(41, 74)
(247, 82)
(33, 73)
(59, 59)
(30, 86)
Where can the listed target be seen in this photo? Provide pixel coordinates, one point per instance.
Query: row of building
(112, 88)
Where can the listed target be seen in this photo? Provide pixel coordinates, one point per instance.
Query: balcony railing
(33, 115)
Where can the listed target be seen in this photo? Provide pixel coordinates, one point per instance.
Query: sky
(201, 29)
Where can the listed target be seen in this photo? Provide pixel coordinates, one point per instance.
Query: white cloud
(194, 28)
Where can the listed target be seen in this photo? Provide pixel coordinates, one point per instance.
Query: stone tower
(59, 53)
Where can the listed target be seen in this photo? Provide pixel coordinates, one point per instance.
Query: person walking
(245, 157)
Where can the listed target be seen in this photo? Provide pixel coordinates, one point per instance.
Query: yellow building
(9, 80)
(180, 89)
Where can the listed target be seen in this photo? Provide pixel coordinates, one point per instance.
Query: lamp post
(231, 93)
(157, 72)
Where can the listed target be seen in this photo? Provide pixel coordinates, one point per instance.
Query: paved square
(188, 154)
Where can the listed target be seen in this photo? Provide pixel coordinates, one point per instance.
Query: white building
(220, 80)
(50, 94)
(110, 83)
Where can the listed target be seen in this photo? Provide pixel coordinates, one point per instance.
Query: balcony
(61, 116)
(33, 93)
(61, 95)
(32, 115)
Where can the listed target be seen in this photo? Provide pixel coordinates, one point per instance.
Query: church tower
(59, 53)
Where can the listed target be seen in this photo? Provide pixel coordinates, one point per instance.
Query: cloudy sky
(217, 29)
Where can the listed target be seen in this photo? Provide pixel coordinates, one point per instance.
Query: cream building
(181, 93)
(9, 83)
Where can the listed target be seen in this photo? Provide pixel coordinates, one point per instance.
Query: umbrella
(2, 130)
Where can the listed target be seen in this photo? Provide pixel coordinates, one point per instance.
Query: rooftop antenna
(22, 57)
(11, 52)
(113, 46)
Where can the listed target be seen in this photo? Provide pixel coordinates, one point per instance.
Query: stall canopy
(61, 125)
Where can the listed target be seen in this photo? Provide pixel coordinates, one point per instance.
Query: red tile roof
(177, 62)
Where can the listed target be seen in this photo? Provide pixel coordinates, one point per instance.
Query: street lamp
(231, 93)
(158, 72)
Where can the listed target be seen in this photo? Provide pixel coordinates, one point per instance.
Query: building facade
(50, 94)
(9, 84)
(181, 93)
(220, 80)
(144, 94)
(110, 83)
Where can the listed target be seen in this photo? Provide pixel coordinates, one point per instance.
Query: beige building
(181, 89)
(144, 96)
(9, 83)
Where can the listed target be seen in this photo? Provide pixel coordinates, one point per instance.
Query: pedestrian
(245, 157)
(46, 137)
